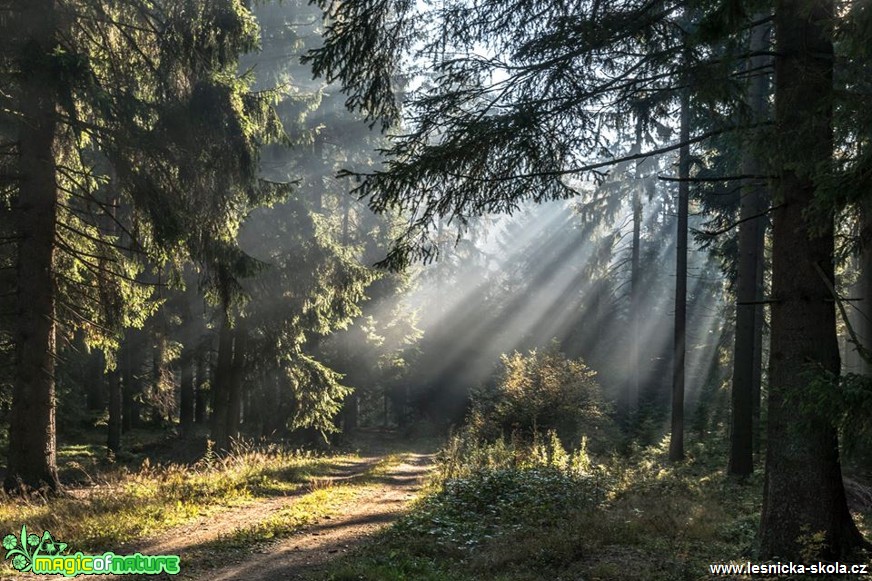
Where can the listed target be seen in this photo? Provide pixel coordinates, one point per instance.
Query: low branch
(599, 164)
(725, 229)
(715, 180)
(862, 351)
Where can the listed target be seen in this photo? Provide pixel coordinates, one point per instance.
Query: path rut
(305, 552)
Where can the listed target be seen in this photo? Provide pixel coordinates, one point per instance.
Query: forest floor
(272, 512)
(290, 527)
(374, 505)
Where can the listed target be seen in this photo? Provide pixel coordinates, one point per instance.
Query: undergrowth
(514, 511)
(128, 505)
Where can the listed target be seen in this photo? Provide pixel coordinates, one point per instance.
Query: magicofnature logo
(43, 555)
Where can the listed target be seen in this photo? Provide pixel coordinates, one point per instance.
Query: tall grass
(127, 505)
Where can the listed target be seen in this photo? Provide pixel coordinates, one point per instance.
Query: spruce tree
(142, 98)
(523, 122)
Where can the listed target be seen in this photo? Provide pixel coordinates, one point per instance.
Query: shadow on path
(386, 494)
(312, 547)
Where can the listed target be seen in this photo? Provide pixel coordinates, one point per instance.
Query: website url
(789, 568)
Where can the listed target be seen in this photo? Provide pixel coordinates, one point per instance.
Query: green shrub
(489, 503)
(538, 392)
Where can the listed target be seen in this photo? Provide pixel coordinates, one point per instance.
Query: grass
(112, 505)
(501, 511)
(505, 514)
(325, 497)
(123, 505)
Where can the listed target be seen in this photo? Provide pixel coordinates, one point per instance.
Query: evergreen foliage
(540, 392)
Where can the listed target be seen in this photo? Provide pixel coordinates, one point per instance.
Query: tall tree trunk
(190, 334)
(346, 219)
(274, 415)
(318, 150)
(32, 436)
(351, 413)
(96, 393)
(186, 390)
(676, 441)
(161, 406)
(113, 440)
(237, 377)
(131, 363)
(803, 490)
(116, 395)
(864, 313)
(751, 230)
(757, 366)
(221, 387)
(635, 284)
(202, 396)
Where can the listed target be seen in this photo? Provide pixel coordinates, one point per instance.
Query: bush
(539, 392)
(489, 503)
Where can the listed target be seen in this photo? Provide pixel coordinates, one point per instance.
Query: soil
(305, 553)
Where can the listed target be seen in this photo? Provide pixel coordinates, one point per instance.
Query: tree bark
(162, 399)
(96, 393)
(186, 390)
(202, 396)
(131, 363)
(864, 306)
(751, 229)
(116, 394)
(635, 285)
(759, 344)
(32, 436)
(221, 387)
(113, 440)
(676, 441)
(318, 148)
(237, 377)
(351, 413)
(803, 490)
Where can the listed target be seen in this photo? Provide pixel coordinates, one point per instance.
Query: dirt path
(307, 551)
(206, 529)
(378, 499)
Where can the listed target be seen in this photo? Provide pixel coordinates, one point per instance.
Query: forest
(436, 289)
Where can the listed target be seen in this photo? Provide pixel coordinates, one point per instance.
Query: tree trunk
(131, 362)
(803, 491)
(351, 413)
(96, 394)
(346, 219)
(113, 440)
(676, 441)
(635, 285)
(318, 150)
(275, 415)
(162, 401)
(864, 306)
(751, 228)
(202, 396)
(757, 366)
(32, 437)
(237, 377)
(186, 390)
(107, 295)
(221, 387)
(125, 363)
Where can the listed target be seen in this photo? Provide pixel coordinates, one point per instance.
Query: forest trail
(307, 551)
(368, 492)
